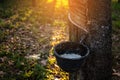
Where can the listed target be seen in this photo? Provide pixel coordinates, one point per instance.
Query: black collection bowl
(70, 64)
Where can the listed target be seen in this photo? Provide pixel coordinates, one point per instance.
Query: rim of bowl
(56, 54)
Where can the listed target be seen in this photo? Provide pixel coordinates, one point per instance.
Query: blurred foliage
(115, 16)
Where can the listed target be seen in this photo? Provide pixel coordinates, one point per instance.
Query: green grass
(115, 16)
(17, 67)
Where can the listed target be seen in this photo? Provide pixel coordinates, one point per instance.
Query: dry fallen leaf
(44, 62)
(11, 62)
(2, 73)
(114, 70)
(116, 74)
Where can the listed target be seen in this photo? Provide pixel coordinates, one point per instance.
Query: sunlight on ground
(59, 34)
(59, 3)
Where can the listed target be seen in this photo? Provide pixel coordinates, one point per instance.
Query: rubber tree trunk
(98, 66)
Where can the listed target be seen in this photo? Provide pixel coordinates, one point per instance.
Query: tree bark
(98, 66)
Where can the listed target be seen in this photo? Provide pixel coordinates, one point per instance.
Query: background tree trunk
(1, 1)
(98, 66)
(34, 3)
(118, 1)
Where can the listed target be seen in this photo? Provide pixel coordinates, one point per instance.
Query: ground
(116, 40)
(29, 34)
